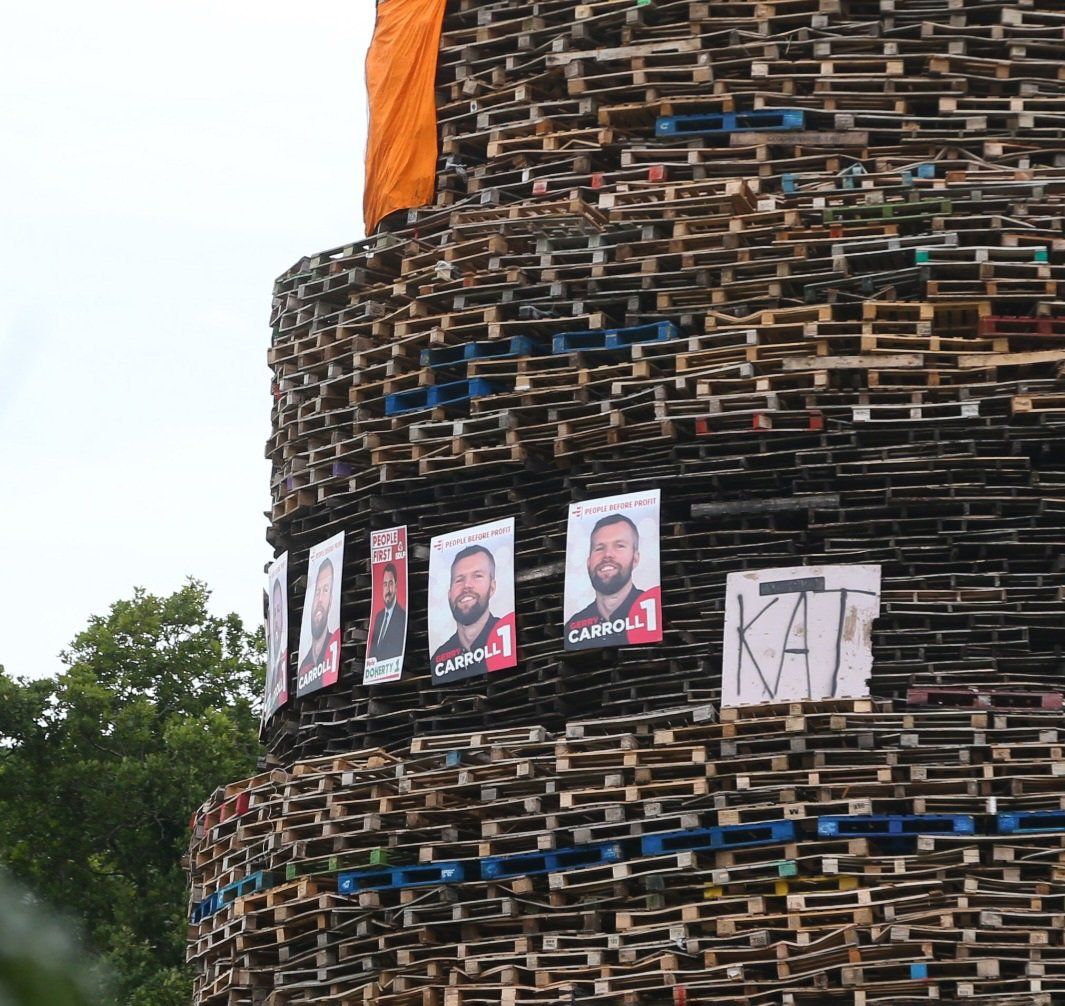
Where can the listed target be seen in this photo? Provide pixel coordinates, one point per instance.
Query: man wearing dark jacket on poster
(473, 582)
(610, 620)
(390, 626)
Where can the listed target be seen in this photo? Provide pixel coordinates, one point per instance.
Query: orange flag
(400, 73)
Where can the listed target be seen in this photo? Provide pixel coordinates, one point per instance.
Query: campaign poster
(387, 640)
(471, 602)
(319, 653)
(799, 632)
(613, 594)
(276, 692)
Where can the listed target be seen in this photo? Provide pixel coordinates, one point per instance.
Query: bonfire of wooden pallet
(833, 852)
(796, 264)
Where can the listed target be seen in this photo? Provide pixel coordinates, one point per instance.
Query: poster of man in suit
(387, 641)
(319, 652)
(613, 594)
(471, 602)
(276, 691)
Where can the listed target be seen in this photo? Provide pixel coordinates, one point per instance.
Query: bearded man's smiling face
(612, 556)
(472, 587)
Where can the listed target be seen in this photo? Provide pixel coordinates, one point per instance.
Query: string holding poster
(471, 602)
(613, 592)
(800, 632)
(387, 642)
(275, 694)
(319, 652)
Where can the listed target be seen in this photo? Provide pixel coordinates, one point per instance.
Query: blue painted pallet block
(580, 856)
(423, 875)
(251, 884)
(895, 825)
(766, 120)
(206, 908)
(442, 357)
(614, 338)
(406, 401)
(459, 391)
(451, 393)
(529, 864)
(525, 864)
(1030, 822)
(731, 836)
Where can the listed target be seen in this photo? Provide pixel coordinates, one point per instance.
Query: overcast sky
(160, 164)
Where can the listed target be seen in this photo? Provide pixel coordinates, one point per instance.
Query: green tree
(101, 766)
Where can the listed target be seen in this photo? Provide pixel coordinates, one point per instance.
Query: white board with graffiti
(801, 632)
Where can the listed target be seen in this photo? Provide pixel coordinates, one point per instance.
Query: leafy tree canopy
(101, 766)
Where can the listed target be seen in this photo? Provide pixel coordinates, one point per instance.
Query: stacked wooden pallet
(835, 852)
(963, 514)
(794, 262)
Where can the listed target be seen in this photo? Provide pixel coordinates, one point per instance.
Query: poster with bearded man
(613, 591)
(319, 652)
(276, 692)
(471, 602)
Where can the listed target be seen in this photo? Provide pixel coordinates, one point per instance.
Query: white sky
(160, 164)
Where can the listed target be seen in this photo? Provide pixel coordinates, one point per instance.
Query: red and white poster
(613, 591)
(387, 641)
(319, 653)
(471, 602)
(275, 694)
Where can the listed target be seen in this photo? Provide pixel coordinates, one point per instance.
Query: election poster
(276, 692)
(387, 641)
(471, 602)
(799, 632)
(613, 593)
(319, 652)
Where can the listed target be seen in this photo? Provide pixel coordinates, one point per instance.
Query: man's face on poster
(472, 587)
(388, 587)
(612, 555)
(323, 599)
(276, 625)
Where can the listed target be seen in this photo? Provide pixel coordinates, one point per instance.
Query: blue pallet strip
(555, 861)
(895, 825)
(423, 875)
(451, 393)
(766, 120)
(1030, 822)
(251, 884)
(732, 836)
(501, 349)
(886, 826)
(614, 338)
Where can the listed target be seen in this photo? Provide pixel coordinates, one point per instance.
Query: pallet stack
(796, 263)
(805, 853)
